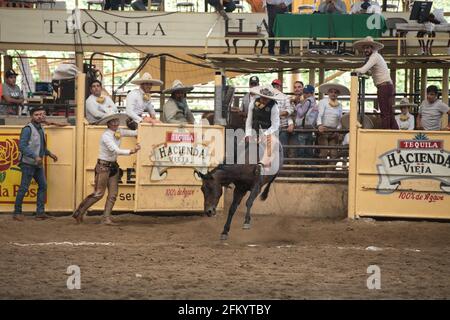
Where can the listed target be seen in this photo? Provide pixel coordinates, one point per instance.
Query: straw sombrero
(343, 90)
(147, 78)
(268, 92)
(368, 41)
(177, 85)
(119, 116)
(404, 103)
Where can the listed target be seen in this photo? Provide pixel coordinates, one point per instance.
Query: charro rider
(176, 109)
(263, 122)
(139, 101)
(107, 169)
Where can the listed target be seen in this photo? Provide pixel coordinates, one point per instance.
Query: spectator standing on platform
(405, 120)
(306, 118)
(97, 105)
(381, 78)
(333, 6)
(365, 6)
(33, 150)
(329, 118)
(11, 94)
(286, 123)
(431, 111)
(274, 7)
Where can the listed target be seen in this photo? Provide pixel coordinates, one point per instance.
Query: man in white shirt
(431, 111)
(274, 7)
(381, 78)
(405, 120)
(330, 116)
(139, 101)
(366, 6)
(97, 105)
(263, 122)
(107, 170)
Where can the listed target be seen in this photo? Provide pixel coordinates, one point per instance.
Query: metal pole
(162, 74)
(423, 83)
(218, 98)
(79, 167)
(321, 79)
(445, 79)
(353, 147)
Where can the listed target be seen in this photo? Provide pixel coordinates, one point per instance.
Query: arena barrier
(60, 175)
(402, 174)
(396, 173)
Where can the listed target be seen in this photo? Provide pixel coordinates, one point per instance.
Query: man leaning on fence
(33, 150)
(329, 118)
(306, 118)
(11, 94)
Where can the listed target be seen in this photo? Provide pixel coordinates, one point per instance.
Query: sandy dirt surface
(151, 257)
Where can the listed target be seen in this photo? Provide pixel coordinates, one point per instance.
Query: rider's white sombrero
(177, 85)
(404, 103)
(119, 116)
(268, 92)
(368, 41)
(147, 78)
(343, 90)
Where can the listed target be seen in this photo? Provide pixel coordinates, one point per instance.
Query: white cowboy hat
(268, 92)
(368, 41)
(119, 116)
(177, 85)
(147, 78)
(343, 90)
(404, 103)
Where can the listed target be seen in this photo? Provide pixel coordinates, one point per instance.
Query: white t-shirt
(432, 114)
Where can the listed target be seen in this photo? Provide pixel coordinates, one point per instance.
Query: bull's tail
(265, 193)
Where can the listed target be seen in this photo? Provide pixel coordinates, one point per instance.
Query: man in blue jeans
(33, 149)
(306, 118)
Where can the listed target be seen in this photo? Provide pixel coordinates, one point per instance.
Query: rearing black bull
(245, 177)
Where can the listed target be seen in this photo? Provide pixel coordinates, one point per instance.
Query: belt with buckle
(105, 163)
(384, 84)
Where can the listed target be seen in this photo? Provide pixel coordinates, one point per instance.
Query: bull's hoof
(223, 236)
(246, 226)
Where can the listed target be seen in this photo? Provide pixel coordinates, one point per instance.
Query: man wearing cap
(286, 122)
(176, 109)
(138, 101)
(107, 169)
(381, 78)
(306, 118)
(11, 94)
(329, 118)
(98, 105)
(405, 120)
(33, 150)
(242, 111)
(263, 122)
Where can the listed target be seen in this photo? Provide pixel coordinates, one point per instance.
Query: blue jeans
(284, 141)
(28, 173)
(304, 138)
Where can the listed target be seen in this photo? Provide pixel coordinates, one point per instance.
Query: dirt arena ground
(183, 258)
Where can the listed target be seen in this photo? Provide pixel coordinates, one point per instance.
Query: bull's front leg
(238, 194)
(253, 194)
